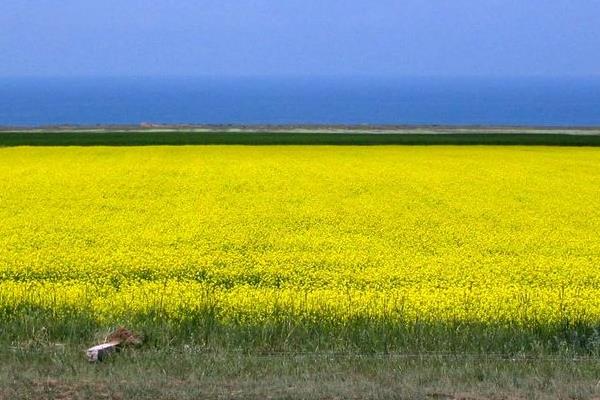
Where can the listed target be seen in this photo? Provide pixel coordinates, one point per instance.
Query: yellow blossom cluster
(439, 233)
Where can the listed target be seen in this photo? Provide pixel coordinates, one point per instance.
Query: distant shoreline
(309, 128)
(299, 135)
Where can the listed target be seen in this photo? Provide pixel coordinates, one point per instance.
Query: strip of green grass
(205, 330)
(132, 138)
(57, 371)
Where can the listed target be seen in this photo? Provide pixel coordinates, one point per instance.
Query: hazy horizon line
(305, 77)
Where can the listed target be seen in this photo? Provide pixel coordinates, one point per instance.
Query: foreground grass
(146, 138)
(205, 331)
(58, 371)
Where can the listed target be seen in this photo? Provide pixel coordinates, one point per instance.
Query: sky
(300, 38)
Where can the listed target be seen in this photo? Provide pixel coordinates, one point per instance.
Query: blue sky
(299, 37)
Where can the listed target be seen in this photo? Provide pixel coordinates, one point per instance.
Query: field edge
(352, 138)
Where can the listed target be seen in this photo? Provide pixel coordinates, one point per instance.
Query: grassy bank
(207, 332)
(146, 138)
(53, 371)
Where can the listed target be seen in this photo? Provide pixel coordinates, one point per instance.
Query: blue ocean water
(464, 101)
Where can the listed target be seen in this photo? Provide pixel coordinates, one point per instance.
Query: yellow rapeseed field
(480, 234)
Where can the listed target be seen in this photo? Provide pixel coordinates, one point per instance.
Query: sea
(31, 102)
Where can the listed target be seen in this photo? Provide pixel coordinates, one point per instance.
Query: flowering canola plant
(438, 233)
